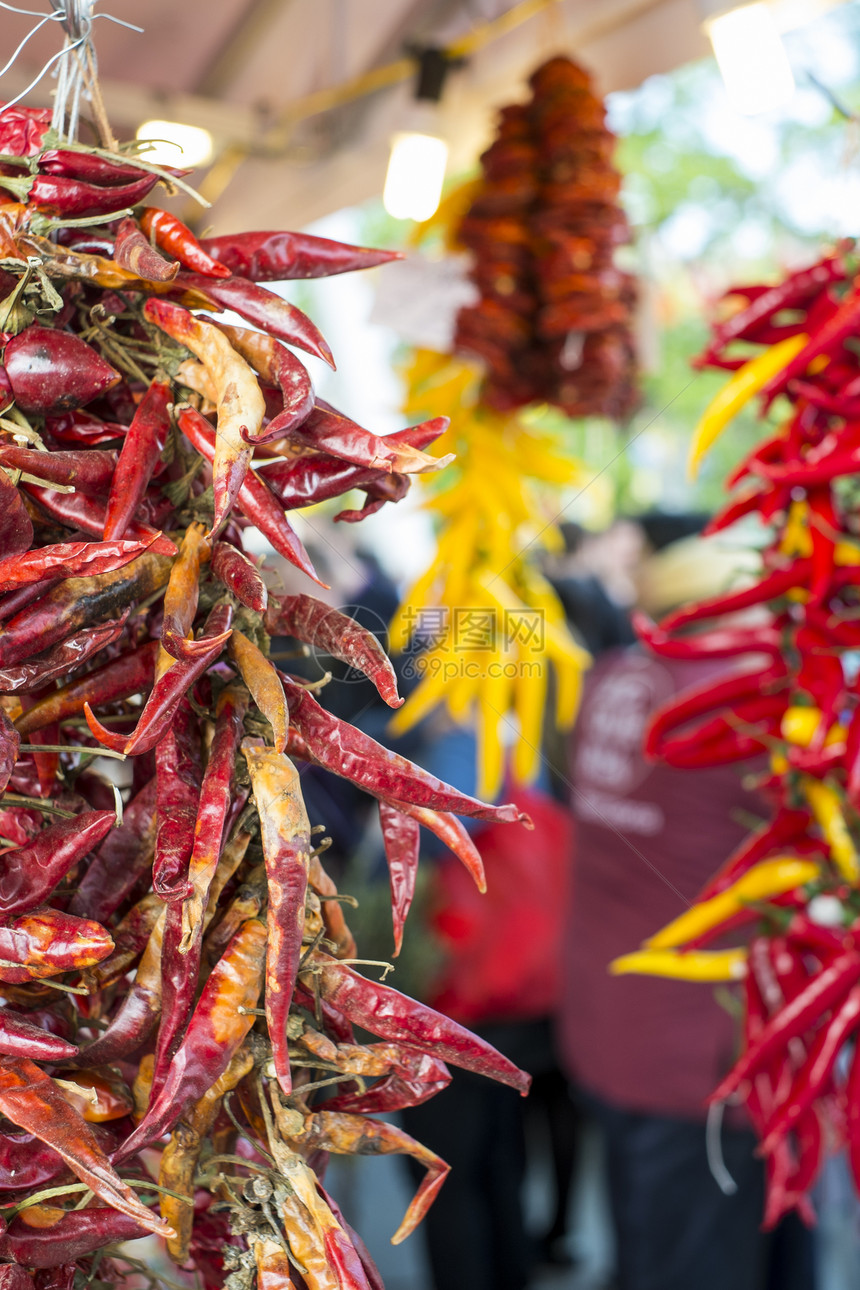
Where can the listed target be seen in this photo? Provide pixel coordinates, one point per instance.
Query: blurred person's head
(692, 567)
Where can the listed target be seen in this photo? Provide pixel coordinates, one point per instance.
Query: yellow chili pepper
(439, 667)
(697, 965)
(827, 809)
(799, 725)
(846, 553)
(737, 392)
(568, 692)
(494, 698)
(770, 878)
(796, 538)
(417, 597)
(529, 704)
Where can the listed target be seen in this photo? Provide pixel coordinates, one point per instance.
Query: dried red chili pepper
(177, 776)
(277, 257)
(68, 196)
(171, 235)
(138, 1012)
(352, 754)
(88, 513)
(87, 165)
(54, 371)
(121, 860)
(232, 567)
(317, 477)
(258, 305)
(32, 872)
(327, 430)
(72, 1235)
(67, 560)
(342, 1133)
(316, 623)
(395, 1017)
(30, 1099)
(141, 449)
(280, 369)
(215, 1033)
(198, 844)
(79, 602)
(401, 835)
(453, 833)
(46, 943)
(18, 1038)
(16, 527)
(264, 684)
(180, 602)
(254, 499)
(91, 471)
(239, 401)
(131, 673)
(167, 692)
(286, 849)
(134, 252)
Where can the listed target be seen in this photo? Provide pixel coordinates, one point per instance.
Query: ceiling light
(752, 58)
(415, 175)
(176, 144)
(416, 166)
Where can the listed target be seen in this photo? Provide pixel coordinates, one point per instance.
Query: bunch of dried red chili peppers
(794, 884)
(553, 321)
(176, 1032)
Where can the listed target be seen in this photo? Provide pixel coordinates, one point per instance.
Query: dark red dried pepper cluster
(553, 321)
(174, 981)
(796, 880)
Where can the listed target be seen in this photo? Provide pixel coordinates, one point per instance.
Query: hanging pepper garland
(553, 321)
(176, 978)
(552, 325)
(794, 884)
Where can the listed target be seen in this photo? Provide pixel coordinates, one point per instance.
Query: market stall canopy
(282, 84)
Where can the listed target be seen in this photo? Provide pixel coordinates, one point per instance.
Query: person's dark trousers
(474, 1230)
(674, 1227)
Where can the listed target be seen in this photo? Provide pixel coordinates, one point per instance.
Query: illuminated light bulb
(752, 59)
(416, 172)
(176, 144)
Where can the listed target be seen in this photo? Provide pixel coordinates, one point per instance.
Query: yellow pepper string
(490, 515)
